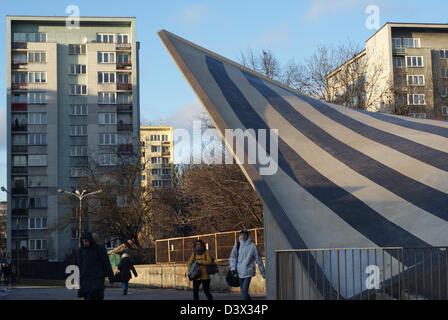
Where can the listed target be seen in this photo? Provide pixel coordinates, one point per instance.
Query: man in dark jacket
(94, 266)
(125, 266)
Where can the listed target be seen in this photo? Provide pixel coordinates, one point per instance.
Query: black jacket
(94, 265)
(125, 266)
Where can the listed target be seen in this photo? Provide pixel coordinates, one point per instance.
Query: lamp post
(80, 196)
(17, 242)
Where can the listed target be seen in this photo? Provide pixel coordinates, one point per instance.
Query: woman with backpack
(202, 257)
(125, 266)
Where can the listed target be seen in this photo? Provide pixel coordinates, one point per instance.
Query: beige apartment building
(72, 98)
(403, 70)
(157, 154)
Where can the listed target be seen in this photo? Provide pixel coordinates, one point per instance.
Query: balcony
(399, 51)
(19, 106)
(166, 165)
(19, 212)
(19, 127)
(124, 127)
(125, 148)
(19, 149)
(20, 190)
(124, 65)
(19, 86)
(19, 170)
(18, 65)
(124, 107)
(166, 177)
(19, 45)
(124, 86)
(123, 47)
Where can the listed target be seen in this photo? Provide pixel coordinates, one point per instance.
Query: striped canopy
(346, 177)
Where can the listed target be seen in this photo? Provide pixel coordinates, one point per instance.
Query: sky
(289, 28)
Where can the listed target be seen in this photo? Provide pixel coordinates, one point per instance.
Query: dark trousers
(244, 286)
(205, 286)
(6, 279)
(94, 295)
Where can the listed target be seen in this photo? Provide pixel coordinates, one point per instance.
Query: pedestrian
(202, 257)
(6, 273)
(243, 262)
(13, 274)
(125, 266)
(94, 266)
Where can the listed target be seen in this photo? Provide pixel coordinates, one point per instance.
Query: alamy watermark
(373, 20)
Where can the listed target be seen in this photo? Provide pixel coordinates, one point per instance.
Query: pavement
(23, 292)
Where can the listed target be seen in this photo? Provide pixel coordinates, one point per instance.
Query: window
(445, 110)
(78, 109)
(19, 98)
(78, 151)
(123, 78)
(164, 137)
(165, 160)
(37, 97)
(166, 171)
(37, 138)
(444, 54)
(155, 137)
(37, 77)
(155, 171)
(38, 202)
(107, 97)
(156, 183)
(123, 58)
(19, 224)
(416, 99)
(396, 43)
(37, 160)
(19, 58)
(78, 69)
(37, 245)
(106, 57)
(155, 148)
(29, 37)
(444, 92)
(78, 130)
(37, 118)
(105, 38)
(122, 38)
(418, 115)
(416, 80)
(19, 203)
(108, 159)
(37, 223)
(37, 181)
(156, 160)
(19, 139)
(37, 57)
(411, 42)
(106, 77)
(416, 61)
(78, 172)
(78, 89)
(19, 161)
(19, 77)
(107, 118)
(124, 98)
(444, 73)
(76, 49)
(107, 138)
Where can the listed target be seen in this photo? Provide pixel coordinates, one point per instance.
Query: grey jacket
(247, 256)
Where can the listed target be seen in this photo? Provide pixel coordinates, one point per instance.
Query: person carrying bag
(198, 270)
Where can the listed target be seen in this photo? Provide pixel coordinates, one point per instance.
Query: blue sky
(290, 28)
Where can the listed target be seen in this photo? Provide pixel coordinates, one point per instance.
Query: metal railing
(179, 250)
(417, 273)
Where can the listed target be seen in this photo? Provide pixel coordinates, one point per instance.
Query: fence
(179, 250)
(366, 273)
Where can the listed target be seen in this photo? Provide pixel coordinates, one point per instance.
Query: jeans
(205, 286)
(125, 287)
(244, 286)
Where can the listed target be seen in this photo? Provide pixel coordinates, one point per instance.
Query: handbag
(232, 276)
(194, 272)
(212, 268)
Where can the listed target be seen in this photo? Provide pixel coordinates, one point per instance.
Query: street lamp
(80, 196)
(17, 242)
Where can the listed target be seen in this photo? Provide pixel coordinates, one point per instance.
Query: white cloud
(194, 14)
(183, 117)
(321, 8)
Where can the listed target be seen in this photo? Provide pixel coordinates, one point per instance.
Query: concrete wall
(174, 276)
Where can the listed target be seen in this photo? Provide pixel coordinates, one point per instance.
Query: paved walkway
(61, 293)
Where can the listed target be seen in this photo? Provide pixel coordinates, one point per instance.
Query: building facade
(72, 96)
(406, 65)
(157, 155)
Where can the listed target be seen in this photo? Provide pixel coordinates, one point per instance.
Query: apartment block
(157, 154)
(407, 66)
(72, 98)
